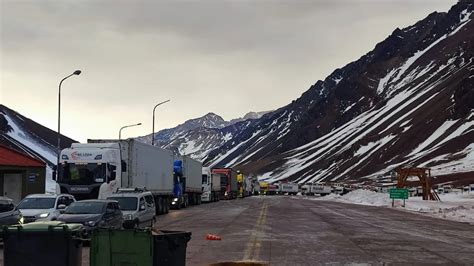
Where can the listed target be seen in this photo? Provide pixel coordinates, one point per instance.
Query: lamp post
(120, 131)
(77, 72)
(153, 130)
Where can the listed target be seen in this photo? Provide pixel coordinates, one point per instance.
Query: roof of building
(10, 157)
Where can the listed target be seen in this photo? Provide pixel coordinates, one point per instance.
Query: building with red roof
(20, 174)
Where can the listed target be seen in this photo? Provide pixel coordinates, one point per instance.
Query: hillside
(409, 101)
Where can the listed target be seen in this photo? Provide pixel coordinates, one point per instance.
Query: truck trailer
(187, 182)
(288, 188)
(229, 188)
(211, 185)
(100, 167)
(313, 189)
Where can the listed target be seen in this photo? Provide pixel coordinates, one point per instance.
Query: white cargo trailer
(313, 189)
(211, 185)
(100, 167)
(290, 188)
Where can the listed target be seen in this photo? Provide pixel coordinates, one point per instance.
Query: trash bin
(111, 247)
(43, 243)
(170, 247)
(142, 247)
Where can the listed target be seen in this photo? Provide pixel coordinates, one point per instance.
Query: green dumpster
(110, 247)
(43, 243)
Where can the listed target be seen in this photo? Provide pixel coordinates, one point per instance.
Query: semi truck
(211, 185)
(100, 167)
(273, 189)
(312, 189)
(263, 188)
(290, 188)
(229, 187)
(187, 182)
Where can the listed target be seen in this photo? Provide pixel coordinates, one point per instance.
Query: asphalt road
(288, 231)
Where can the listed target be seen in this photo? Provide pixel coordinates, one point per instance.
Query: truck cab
(89, 171)
(210, 185)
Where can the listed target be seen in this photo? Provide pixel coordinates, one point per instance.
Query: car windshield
(126, 203)
(37, 203)
(85, 208)
(6, 206)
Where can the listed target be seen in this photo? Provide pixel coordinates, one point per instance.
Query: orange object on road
(213, 237)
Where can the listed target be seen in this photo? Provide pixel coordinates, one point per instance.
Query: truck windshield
(126, 203)
(204, 179)
(82, 174)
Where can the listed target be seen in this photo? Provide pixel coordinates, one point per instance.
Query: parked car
(93, 214)
(138, 207)
(43, 207)
(8, 214)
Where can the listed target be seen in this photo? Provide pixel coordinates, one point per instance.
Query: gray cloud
(229, 57)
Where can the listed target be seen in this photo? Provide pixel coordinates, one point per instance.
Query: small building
(20, 174)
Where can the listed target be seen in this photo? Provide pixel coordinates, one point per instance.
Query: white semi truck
(211, 185)
(290, 188)
(312, 189)
(98, 168)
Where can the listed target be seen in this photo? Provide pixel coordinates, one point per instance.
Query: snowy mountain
(410, 101)
(197, 137)
(27, 136)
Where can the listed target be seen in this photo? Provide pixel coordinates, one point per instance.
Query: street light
(77, 72)
(120, 131)
(153, 130)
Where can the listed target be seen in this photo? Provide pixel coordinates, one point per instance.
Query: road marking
(252, 251)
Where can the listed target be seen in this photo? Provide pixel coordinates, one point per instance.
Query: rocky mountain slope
(409, 101)
(197, 137)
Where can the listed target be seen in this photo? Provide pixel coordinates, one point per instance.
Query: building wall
(32, 179)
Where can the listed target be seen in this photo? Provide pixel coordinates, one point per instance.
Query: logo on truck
(77, 155)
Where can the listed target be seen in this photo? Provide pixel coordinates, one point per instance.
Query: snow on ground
(453, 206)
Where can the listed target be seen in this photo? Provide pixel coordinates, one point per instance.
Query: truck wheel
(159, 206)
(186, 201)
(199, 201)
(167, 205)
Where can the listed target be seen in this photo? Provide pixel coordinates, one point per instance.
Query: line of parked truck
(125, 182)
(97, 169)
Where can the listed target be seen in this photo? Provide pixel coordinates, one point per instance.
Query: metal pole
(120, 131)
(153, 127)
(77, 72)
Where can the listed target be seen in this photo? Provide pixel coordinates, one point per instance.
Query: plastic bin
(111, 247)
(43, 243)
(170, 248)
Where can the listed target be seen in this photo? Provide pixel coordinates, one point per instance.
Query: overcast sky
(227, 57)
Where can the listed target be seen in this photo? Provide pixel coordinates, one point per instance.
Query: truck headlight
(43, 215)
(22, 220)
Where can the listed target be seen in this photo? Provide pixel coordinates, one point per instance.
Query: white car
(138, 207)
(43, 207)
